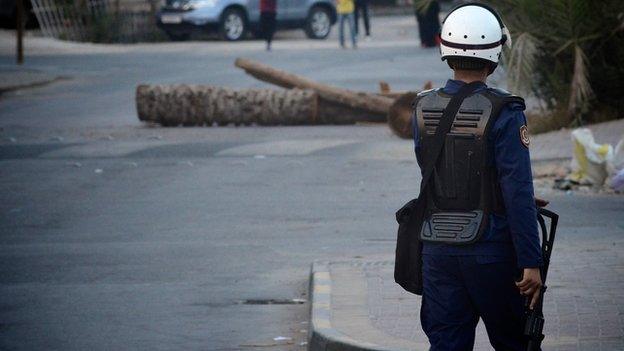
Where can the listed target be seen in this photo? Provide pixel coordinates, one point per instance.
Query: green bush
(569, 54)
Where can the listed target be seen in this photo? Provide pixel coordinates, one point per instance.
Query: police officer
(481, 249)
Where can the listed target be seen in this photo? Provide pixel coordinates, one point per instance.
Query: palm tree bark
(400, 115)
(196, 105)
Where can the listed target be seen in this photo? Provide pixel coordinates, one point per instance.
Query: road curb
(323, 336)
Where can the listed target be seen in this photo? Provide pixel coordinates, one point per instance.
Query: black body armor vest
(464, 188)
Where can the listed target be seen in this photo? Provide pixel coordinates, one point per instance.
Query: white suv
(232, 19)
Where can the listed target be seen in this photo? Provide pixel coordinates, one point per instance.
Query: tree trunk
(196, 105)
(377, 105)
(330, 112)
(400, 115)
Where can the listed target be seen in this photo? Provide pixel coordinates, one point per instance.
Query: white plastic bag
(616, 167)
(589, 164)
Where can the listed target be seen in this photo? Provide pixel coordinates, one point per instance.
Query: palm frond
(568, 53)
(422, 6)
(520, 63)
(580, 87)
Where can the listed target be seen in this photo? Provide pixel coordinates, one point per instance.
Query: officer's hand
(541, 202)
(531, 284)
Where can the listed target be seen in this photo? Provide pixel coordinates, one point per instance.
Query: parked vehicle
(233, 19)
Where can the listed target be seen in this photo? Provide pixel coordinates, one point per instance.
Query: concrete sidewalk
(356, 305)
(557, 144)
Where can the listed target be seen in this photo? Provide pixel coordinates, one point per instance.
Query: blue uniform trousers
(457, 290)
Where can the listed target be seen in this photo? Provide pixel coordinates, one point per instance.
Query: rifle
(534, 326)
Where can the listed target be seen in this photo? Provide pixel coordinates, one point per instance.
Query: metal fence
(97, 20)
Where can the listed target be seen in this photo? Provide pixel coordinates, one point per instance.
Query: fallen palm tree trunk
(330, 112)
(309, 103)
(395, 108)
(400, 113)
(373, 104)
(196, 105)
(384, 90)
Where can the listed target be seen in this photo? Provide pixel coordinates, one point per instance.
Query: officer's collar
(452, 85)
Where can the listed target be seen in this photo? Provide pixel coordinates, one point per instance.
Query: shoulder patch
(524, 135)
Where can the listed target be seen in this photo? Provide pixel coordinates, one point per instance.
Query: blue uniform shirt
(514, 234)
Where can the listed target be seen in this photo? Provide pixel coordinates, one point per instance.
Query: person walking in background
(268, 12)
(427, 15)
(345, 10)
(362, 6)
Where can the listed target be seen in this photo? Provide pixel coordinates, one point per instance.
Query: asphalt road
(116, 235)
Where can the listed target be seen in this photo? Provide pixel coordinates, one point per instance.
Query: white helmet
(473, 30)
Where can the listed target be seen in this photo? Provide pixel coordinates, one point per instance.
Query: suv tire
(233, 25)
(318, 24)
